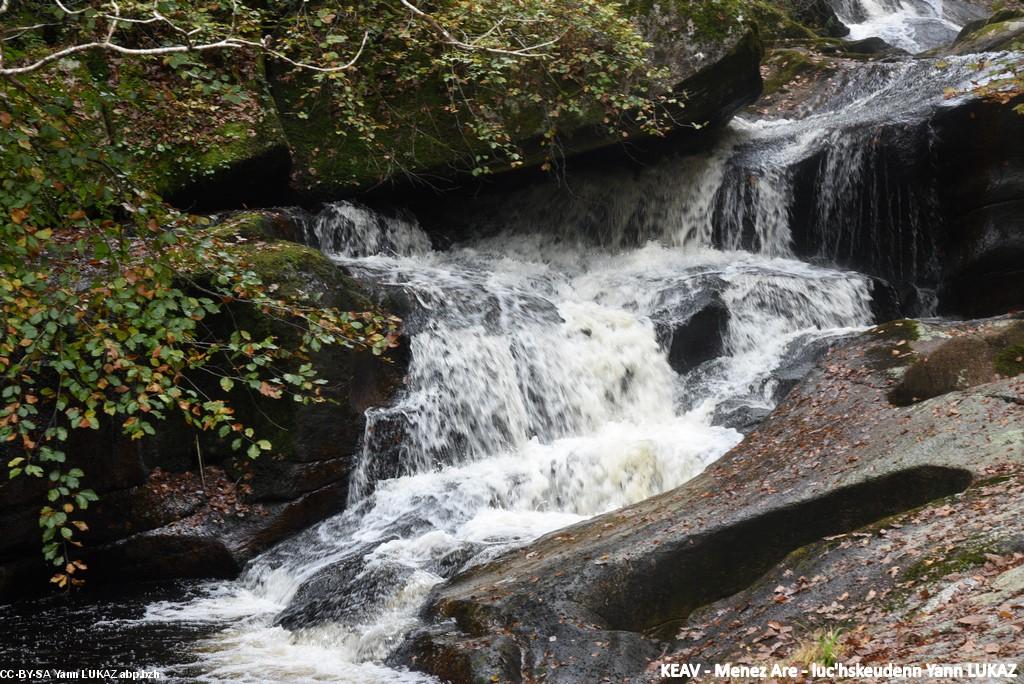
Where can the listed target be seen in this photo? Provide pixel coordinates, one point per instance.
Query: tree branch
(223, 44)
(530, 51)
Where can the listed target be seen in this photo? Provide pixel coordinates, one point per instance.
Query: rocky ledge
(860, 517)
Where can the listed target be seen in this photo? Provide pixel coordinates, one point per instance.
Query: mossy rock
(785, 65)
(963, 362)
(1010, 361)
(935, 568)
(198, 150)
(903, 329)
(1004, 30)
(269, 243)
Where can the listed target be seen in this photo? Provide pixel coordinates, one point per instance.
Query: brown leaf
(972, 620)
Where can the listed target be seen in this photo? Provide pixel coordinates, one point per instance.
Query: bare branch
(311, 67)
(530, 51)
(112, 47)
(224, 44)
(68, 11)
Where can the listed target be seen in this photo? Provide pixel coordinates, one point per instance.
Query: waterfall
(539, 393)
(911, 25)
(586, 347)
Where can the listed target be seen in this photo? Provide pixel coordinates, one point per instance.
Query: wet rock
(864, 46)
(833, 457)
(739, 416)
(980, 157)
(698, 338)
(344, 592)
(886, 302)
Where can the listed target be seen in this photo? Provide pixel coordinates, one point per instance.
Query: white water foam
(538, 393)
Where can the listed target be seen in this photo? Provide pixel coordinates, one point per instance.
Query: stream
(543, 388)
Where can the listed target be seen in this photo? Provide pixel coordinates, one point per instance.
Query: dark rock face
(939, 204)
(819, 13)
(159, 518)
(342, 592)
(606, 597)
(980, 149)
(888, 222)
(864, 46)
(695, 335)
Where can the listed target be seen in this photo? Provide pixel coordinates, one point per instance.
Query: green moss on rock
(903, 329)
(937, 567)
(1010, 361)
(688, 38)
(784, 65)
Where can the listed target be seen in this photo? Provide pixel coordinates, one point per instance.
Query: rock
(864, 46)
(1002, 31)
(230, 156)
(157, 517)
(695, 335)
(957, 364)
(609, 595)
(783, 66)
(886, 302)
(739, 416)
(820, 14)
(801, 356)
(980, 159)
(343, 592)
(892, 588)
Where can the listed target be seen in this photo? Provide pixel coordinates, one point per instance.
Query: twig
(202, 472)
(530, 51)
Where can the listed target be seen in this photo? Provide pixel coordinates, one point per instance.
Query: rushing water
(540, 390)
(911, 25)
(538, 395)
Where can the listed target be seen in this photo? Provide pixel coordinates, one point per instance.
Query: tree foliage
(108, 293)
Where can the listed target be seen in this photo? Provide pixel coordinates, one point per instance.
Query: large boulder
(608, 597)
(959, 364)
(1004, 30)
(183, 504)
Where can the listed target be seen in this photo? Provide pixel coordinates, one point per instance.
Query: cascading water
(538, 395)
(540, 390)
(911, 25)
(542, 387)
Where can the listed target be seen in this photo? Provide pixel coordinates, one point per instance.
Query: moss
(937, 567)
(1010, 361)
(890, 353)
(904, 329)
(778, 25)
(710, 19)
(423, 138)
(786, 65)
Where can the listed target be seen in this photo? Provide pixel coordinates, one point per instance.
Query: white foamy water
(540, 391)
(911, 25)
(538, 395)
